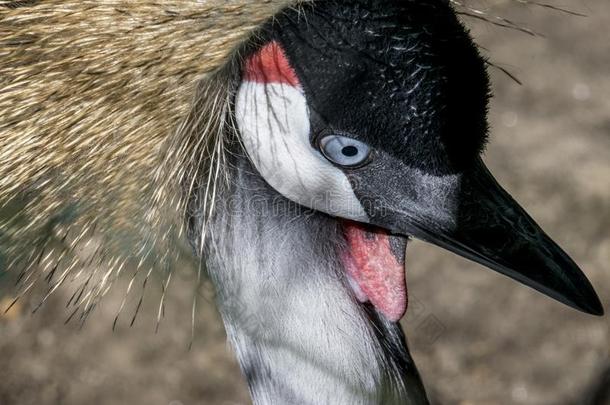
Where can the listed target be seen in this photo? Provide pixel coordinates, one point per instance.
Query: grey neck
(299, 334)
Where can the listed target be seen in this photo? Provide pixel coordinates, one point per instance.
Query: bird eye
(344, 151)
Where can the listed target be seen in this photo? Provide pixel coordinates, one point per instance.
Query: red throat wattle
(376, 268)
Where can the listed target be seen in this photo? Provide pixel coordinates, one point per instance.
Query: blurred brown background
(477, 337)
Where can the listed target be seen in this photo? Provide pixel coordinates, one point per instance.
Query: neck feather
(299, 334)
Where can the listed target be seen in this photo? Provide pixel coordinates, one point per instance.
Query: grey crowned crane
(335, 133)
(359, 125)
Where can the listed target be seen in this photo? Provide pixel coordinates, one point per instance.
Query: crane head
(374, 112)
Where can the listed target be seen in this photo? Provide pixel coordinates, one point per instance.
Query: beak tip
(595, 312)
(589, 303)
(584, 299)
(595, 309)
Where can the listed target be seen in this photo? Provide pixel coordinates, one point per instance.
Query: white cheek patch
(273, 120)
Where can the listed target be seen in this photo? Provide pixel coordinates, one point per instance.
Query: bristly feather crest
(91, 93)
(107, 127)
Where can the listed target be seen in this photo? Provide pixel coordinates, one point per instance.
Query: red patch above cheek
(270, 65)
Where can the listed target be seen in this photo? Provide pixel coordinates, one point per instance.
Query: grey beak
(490, 227)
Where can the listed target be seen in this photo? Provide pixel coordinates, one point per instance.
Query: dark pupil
(350, 151)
